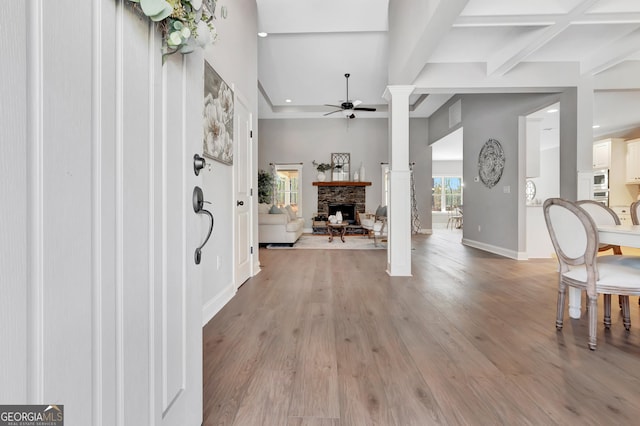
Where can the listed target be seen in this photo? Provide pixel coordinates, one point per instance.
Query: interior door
(243, 231)
(157, 113)
(103, 305)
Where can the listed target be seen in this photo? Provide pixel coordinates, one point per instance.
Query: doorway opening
(447, 187)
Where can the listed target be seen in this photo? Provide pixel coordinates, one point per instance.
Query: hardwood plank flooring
(327, 338)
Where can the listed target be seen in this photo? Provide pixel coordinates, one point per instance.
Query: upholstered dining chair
(635, 212)
(635, 218)
(603, 215)
(574, 235)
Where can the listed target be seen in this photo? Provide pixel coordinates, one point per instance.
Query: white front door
(243, 232)
(104, 309)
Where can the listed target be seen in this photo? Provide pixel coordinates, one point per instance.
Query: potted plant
(265, 186)
(321, 168)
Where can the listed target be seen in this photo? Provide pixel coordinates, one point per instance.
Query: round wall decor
(491, 163)
(530, 190)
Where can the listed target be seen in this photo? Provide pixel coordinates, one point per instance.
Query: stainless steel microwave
(600, 179)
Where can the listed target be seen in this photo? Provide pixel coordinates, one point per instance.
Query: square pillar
(399, 208)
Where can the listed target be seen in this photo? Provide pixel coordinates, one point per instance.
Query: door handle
(198, 164)
(240, 203)
(198, 207)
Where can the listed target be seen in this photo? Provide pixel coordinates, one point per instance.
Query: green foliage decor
(185, 24)
(265, 186)
(321, 167)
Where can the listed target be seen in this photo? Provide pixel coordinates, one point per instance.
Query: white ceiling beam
(544, 20)
(612, 55)
(511, 55)
(435, 30)
(502, 64)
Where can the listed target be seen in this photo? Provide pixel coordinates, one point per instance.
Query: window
(447, 193)
(288, 188)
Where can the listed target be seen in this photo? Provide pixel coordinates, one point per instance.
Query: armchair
(375, 224)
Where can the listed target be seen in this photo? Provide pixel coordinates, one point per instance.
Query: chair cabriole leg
(607, 311)
(593, 319)
(626, 316)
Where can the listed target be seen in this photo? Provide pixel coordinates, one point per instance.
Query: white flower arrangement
(185, 24)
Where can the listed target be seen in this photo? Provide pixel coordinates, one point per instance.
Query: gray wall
(486, 116)
(305, 140)
(234, 56)
(366, 139)
(420, 154)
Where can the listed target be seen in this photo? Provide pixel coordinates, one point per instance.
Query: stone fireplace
(341, 193)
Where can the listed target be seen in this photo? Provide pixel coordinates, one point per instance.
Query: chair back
(573, 234)
(601, 214)
(635, 213)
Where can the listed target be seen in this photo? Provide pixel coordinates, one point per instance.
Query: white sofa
(278, 227)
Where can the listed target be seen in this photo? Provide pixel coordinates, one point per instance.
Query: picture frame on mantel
(340, 166)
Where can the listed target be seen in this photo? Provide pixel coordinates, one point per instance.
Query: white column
(584, 150)
(399, 208)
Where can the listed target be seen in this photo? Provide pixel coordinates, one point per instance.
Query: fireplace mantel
(341, 183)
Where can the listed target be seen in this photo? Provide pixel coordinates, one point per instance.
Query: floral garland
(185, 24)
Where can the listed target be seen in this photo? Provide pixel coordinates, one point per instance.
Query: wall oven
(600, 179)
(601, 196)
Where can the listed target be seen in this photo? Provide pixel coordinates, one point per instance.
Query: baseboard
(213, 306)
(512, 254)
(256, 266)
(425, 231)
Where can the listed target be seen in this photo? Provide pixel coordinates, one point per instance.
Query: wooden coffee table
(338, 228)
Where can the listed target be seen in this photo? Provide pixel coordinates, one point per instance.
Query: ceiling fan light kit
(348, 107)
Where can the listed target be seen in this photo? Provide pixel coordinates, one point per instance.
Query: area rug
(352, 242)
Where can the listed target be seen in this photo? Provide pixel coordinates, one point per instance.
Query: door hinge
(250, 133)
(251, 249)
(251, 192)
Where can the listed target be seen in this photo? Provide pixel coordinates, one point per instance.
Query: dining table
(625, 235)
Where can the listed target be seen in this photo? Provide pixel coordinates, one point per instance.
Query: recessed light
(596, 126)
(288, 101)
(262, 34)
(550, 111)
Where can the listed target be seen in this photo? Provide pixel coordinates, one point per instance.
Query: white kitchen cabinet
(624, 214)
(633, 161)
(602, 154)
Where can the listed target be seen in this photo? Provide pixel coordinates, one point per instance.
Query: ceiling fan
(348, 107)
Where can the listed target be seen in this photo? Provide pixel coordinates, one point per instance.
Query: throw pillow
(290, 212)
(263, 208)
(275, 210)
(379, 211)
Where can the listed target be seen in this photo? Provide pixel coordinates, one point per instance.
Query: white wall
(548, 183)
(447, 168)
(234, 57)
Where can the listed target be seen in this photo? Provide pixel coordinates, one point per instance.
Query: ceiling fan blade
(335, 106)
(332, 112)
(356, 103)
(364, 109)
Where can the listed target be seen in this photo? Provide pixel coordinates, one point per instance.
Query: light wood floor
(328, 338)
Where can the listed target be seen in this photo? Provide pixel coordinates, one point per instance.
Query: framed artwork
(217, 115)
(340, 165)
